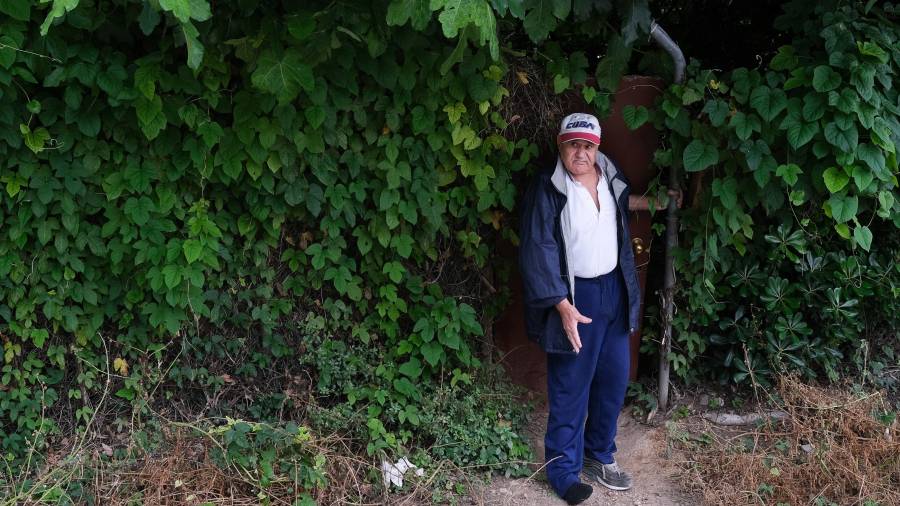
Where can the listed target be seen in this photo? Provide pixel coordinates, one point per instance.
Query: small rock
(808, 448)
(704, 400)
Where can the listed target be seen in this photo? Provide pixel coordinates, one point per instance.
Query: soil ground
(642, 451)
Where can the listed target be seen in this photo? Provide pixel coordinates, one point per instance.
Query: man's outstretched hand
(570, 320)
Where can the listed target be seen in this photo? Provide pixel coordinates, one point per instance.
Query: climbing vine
(183, 182)
(195, 194)
(789, 261)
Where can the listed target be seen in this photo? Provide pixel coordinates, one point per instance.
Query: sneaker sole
(611, 486)
(595, 476)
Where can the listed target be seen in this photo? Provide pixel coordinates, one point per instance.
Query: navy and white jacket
(544, 258)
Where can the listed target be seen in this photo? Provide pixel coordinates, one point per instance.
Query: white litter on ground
(393, 473)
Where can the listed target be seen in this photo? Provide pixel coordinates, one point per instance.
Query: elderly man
(582, 300)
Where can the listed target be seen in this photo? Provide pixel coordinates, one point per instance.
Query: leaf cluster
(790, 256)
(301, 159)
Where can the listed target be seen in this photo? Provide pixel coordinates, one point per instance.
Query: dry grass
(831, 449)
(182, 471)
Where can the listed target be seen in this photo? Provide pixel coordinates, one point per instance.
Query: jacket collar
(559, 176)
(603, 163)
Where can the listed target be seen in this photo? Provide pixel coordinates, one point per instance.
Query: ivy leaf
(192, 249)
(589, 92)
(636, 19)
(111, 81)
(844, 139)
(835, 179)
(17, 9)
(165, 316)
(768, 102)
(846, 101)
(862, 177)
(754, 152)
(411, 368)
(405, 387)
(35, 140)
(813, 106)
(873, 49)
(211, 133)
(148, 19)
(863, 78)
(800, 133)
(690, 96)
(785, 59)
(717, 110)
(843, 207)
(195, 49)
(145, 80)
(315, 115)
(458, 14)
(540, 21)
(138, 177)
(726, 190)
(614, 63)
(394, 270)
(873, 157)
(172, 276)
(886, 202)
(150, 116)
(789, 173)
(8, 54)
(283, 75)
(744, 125)
(416, 11)
(58, 10)
(449, 339)
(560, 83)
(862, 235)
(139, 209)
(433, 352)
(404, 244)
(455, 111)
(181, 9)
(698, 156)
(825, 79)
(635, 116)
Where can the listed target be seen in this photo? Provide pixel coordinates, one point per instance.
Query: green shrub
(790, 250)
(177, 185)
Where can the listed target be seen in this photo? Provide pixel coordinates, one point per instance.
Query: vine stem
(32, 53)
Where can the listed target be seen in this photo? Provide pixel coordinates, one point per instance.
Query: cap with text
(579, 126)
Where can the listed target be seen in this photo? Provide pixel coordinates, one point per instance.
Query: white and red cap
(579, 126)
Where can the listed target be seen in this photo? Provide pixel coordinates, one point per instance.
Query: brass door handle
(637, 244)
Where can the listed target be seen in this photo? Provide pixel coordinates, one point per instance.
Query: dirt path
(642, 451)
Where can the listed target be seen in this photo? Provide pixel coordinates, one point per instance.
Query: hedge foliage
(790, 251)
(183, 183)
(157, 192)
(186, 184)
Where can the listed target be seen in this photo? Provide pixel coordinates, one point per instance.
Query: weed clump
(834, 447)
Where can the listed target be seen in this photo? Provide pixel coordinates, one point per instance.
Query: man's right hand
(570, 320)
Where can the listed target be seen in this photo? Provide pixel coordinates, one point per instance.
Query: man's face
(578, 156)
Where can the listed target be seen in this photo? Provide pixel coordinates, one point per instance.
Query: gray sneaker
(608, 475)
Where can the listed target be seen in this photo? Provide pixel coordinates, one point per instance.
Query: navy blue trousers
(586, 391)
